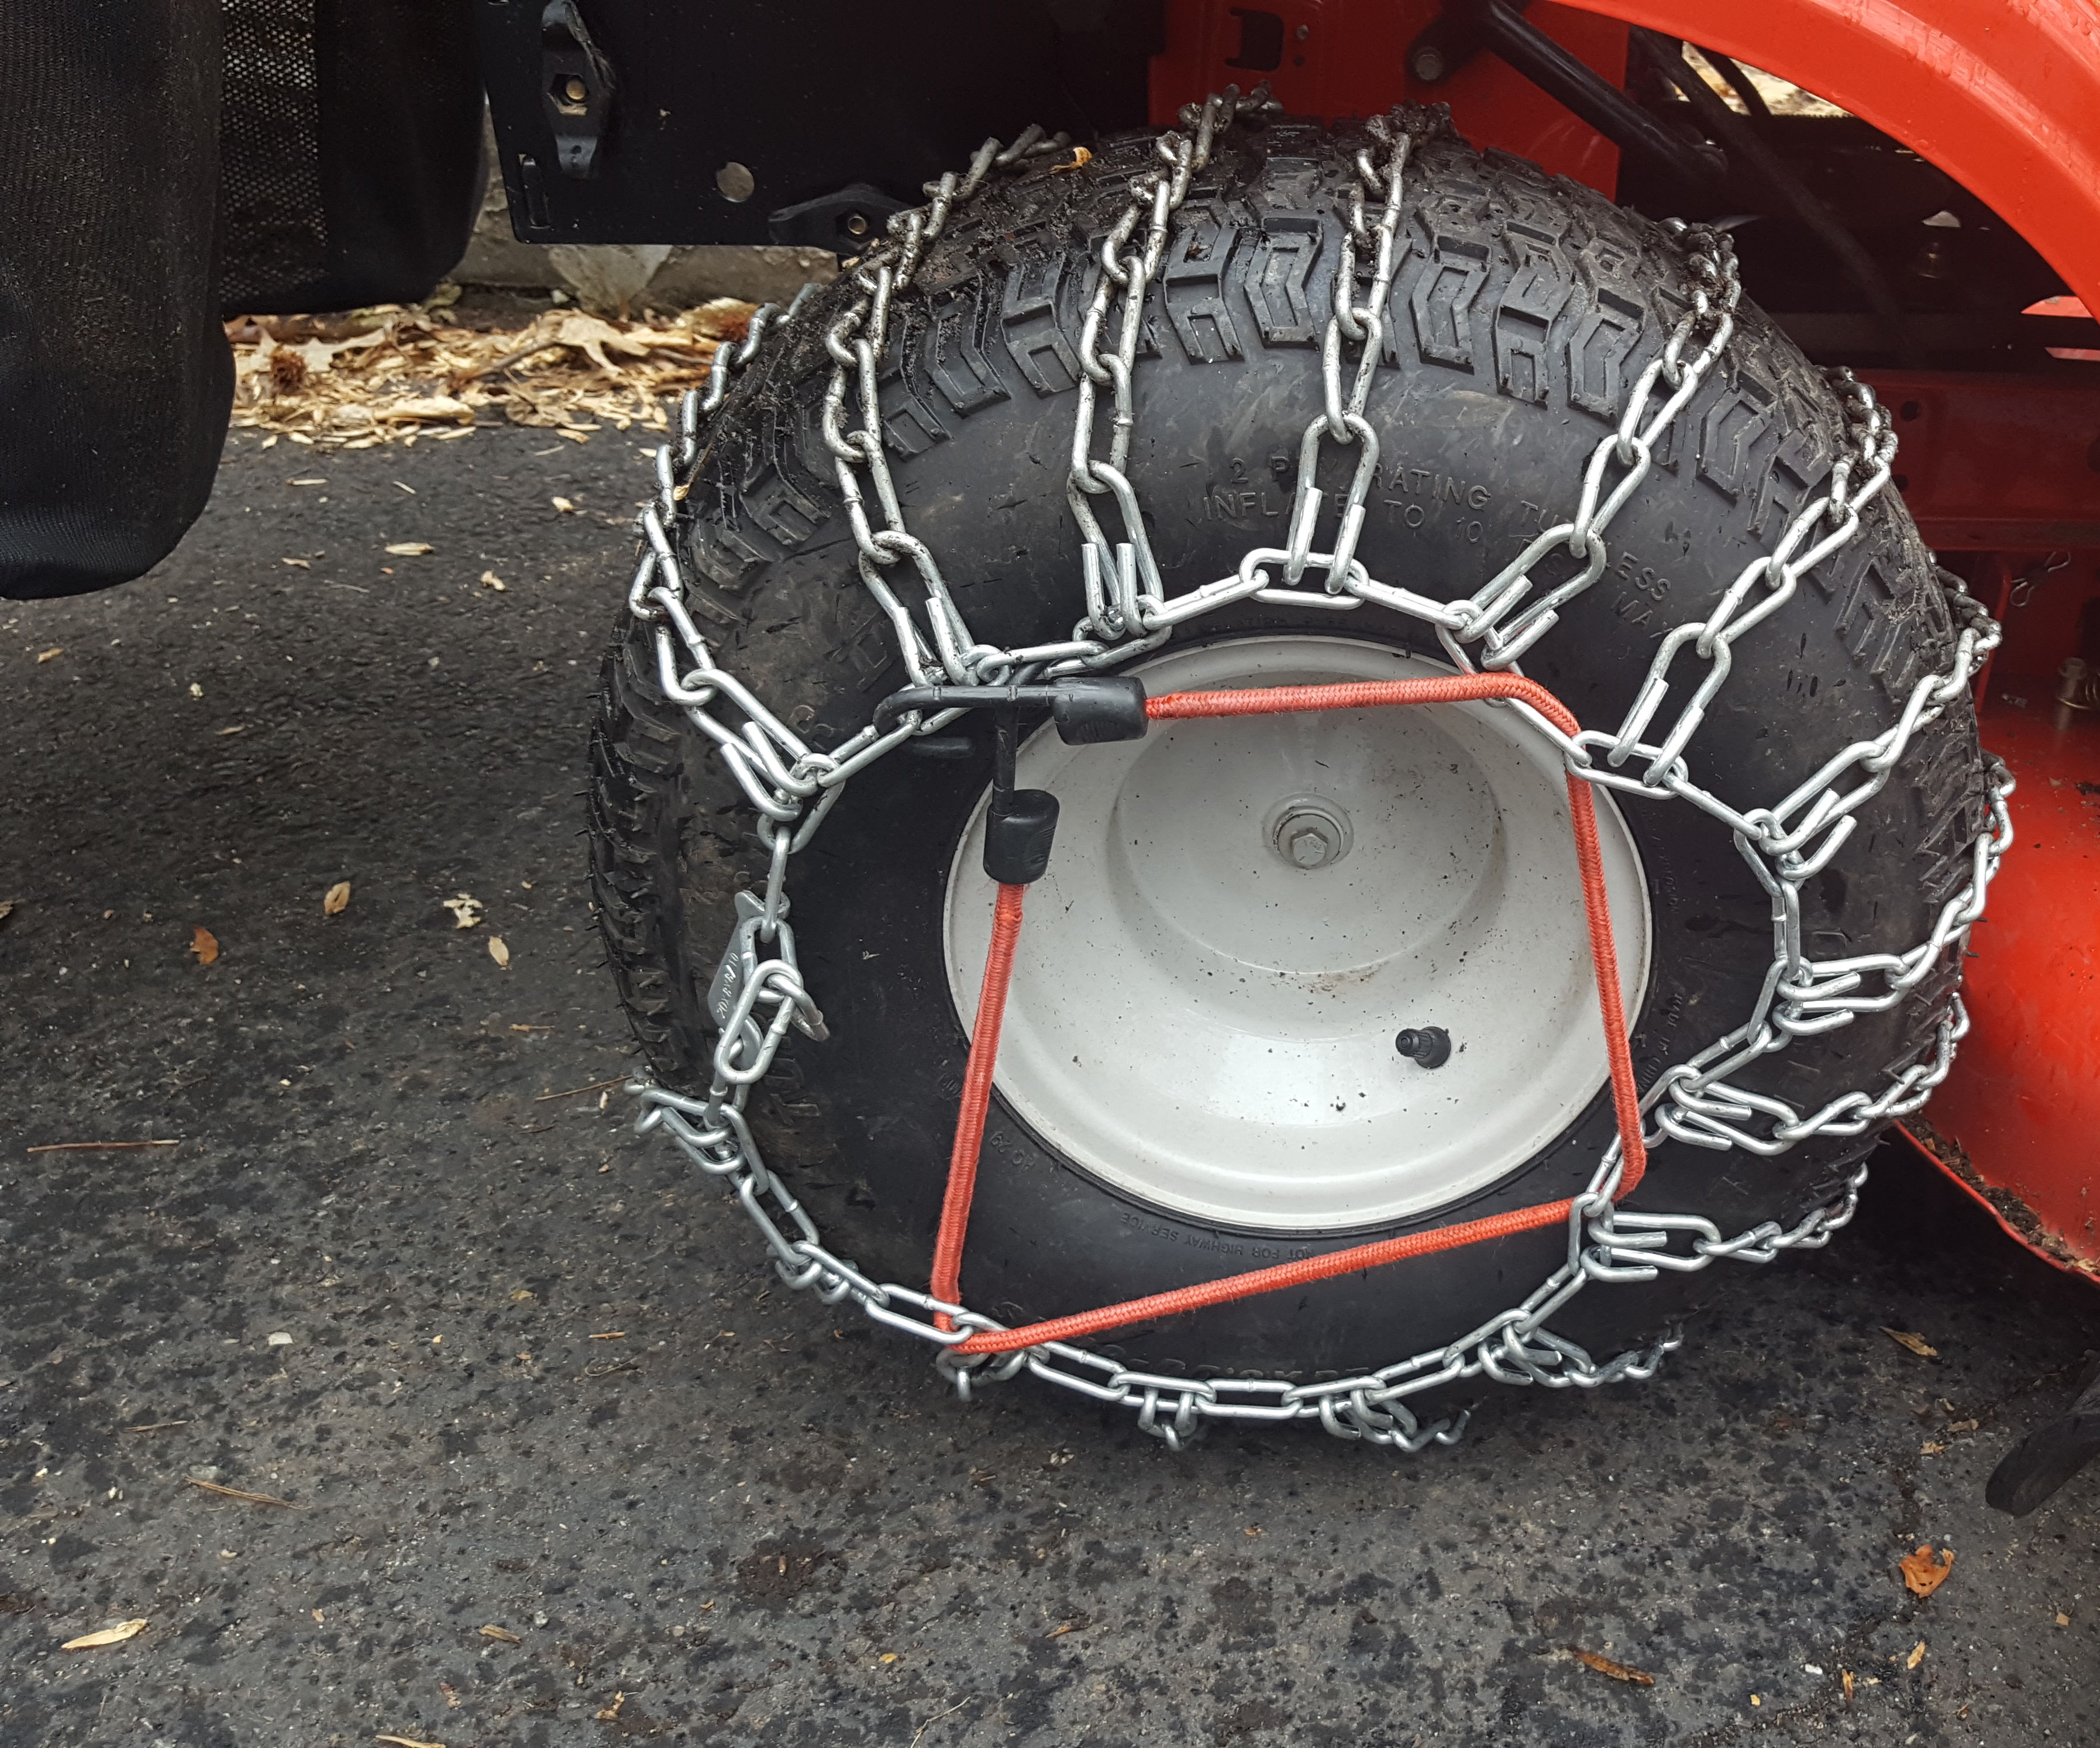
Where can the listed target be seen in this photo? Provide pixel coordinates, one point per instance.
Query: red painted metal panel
(2021, 1111)
(1997, 463)
(1345, 57)
(2004, 97)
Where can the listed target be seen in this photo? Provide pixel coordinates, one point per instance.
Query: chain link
(758, 995)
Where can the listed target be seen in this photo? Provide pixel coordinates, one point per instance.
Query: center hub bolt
(1310, 832)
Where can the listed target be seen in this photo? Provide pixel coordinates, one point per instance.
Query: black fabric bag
(350, 151)
(164, 161)
(114, 373)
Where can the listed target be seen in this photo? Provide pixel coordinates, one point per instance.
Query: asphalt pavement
(526, 1445)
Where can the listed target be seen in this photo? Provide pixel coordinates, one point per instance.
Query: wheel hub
(1310, 831)
(1242, 916)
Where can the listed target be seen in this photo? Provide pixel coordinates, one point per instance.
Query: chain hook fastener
(1021, 824)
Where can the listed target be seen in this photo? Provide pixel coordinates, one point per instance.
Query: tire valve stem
(1430, 1046)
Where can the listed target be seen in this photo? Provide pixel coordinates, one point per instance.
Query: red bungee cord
(998, 976)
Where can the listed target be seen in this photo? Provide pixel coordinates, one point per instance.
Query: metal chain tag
(758, 994)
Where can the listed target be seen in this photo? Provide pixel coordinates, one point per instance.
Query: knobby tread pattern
(1519, 297)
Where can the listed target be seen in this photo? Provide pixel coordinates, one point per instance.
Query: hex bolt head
(1310, 833)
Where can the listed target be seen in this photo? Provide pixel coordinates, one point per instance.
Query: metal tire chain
(793, 785)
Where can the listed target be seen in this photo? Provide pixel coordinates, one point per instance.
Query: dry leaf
(430, 407)
(411, 549)
(205, 944)
(1917, 1344)
(1845, 1680)
(498, 952)
(561, 503)
(59, 650)
(7, 909)
(1962, 1426)
(239, 1492)
(115, 1635)
(492, 580)
(610, 1714)
(466, 909)
(1080, 158)
(406, 1742)
(2062, 1619)
(1640, 1678)
(336, 900)
(1930, 1449)
(1916, 1655)
(503, 1633)
(1924, 1573)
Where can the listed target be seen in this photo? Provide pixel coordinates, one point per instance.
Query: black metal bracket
(1468, 26)
(1447, 42)
(576, 87)
(844, 223)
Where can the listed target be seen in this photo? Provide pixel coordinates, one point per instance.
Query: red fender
(2004, 95)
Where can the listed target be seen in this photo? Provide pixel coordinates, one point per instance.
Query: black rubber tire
(1524, 306)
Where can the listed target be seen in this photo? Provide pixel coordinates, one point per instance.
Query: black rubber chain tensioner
(1020, 825)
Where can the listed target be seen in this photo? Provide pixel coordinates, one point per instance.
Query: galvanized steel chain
(759, 995)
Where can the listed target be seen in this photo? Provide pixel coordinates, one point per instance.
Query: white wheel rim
(1207, 1025)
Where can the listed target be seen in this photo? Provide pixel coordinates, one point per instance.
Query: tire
(1524, 306)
